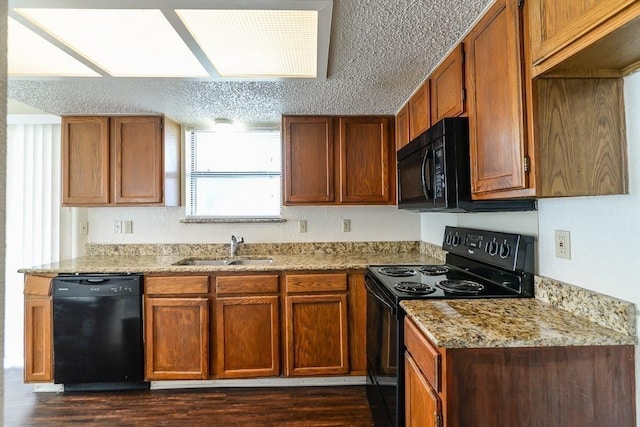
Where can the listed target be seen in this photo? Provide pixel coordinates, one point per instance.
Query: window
(234, 174)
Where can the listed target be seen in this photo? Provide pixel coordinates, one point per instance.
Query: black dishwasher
(97, 332)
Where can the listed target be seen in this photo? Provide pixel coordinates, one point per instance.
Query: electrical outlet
(127, 227)
(346, 225)
(84, 227)
(117, 227)
(302, 226)
(563, 244)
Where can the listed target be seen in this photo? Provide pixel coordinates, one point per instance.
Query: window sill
(230, 220)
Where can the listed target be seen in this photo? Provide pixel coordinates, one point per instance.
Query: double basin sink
(225, 261)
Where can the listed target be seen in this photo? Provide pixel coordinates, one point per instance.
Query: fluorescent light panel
(257, 43)
(125, 43)
(31, 55)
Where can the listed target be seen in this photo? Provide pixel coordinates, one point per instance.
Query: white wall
(324, 224)
(605, 230)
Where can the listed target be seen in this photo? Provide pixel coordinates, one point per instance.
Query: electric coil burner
(397, 271)
(415, 288)
(479, 264)
(461, 286)
(433, 270)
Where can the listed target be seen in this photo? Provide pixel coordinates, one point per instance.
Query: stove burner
(415, 288)
(397, 271)
(460, 286)
(433, 270)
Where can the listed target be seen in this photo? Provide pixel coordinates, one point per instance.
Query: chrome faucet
(235, 242)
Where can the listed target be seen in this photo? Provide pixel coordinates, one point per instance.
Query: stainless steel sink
(250, 261)
(230, 262)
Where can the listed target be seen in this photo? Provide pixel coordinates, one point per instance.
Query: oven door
(384, 379)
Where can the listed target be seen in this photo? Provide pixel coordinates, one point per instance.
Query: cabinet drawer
(172, 285)
(37, 285)
(316, 282)
(423, 352)
(247, 284)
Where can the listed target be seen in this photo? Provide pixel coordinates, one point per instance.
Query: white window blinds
(234, 174)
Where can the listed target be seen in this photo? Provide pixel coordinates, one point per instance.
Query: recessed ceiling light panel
(257, 43)
(31, 55)
(125, 43)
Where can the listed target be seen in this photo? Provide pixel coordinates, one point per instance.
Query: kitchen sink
(226, 261)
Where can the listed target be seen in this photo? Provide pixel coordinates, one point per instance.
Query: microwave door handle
(427, 175)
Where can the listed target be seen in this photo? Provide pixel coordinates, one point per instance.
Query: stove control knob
(448, 239)
(456, 240)
(505, 250)
(492, 248)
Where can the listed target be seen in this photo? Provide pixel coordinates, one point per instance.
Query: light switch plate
(117, 227)
(346, 225)
(563, 244)
(127, 227)
(302, 226)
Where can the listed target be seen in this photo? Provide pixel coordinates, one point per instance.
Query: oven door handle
(373, 293)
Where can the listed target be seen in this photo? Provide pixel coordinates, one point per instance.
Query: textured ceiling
(380, 51)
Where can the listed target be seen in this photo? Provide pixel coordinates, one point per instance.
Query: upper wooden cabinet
(357, 169)
(420, 111)
(447, 87)
(120, 161)
(584, 37)
(308, 159)
(366, 160)
(496, 106)
(402, 127)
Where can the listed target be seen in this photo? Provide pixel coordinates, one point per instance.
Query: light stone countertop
(506, 322)
(164, 264)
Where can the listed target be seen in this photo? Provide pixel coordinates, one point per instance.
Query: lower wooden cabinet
(422, 405)
(38, 329)
(176, 328)
(517, 386)
(247, 332)
(316, 332)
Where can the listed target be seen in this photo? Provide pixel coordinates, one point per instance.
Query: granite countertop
(164, 264)
(500, 322)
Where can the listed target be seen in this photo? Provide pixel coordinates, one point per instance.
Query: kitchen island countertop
(506, 322)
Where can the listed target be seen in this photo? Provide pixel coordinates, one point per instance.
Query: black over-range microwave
(434, 173)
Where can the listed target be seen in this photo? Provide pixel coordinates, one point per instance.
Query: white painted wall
(605, 230)
(324, 224)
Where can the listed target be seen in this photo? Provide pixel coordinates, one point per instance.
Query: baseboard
(262, 382)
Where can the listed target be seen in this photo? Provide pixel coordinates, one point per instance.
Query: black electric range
(479, 264)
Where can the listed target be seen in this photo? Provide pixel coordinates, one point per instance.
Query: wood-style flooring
(283, 406)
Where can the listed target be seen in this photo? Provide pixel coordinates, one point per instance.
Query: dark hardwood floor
(284, 406)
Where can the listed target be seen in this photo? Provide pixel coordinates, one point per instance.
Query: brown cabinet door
(366, 157)
(447, 87)
(422, 405)
(137, 167)
(316, 341)
(555, 24)
(496, 112)
(247, 337)
(85, 161)
(402, 127)
(38, 341)
(308, 160)
(176, 338)
(420, 111)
